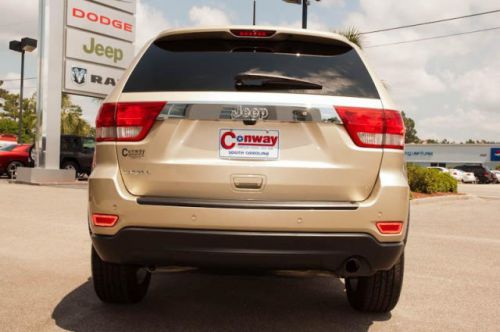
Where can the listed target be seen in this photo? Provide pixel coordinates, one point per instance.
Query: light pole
(254, 10)
(24, 45)
(304, 3)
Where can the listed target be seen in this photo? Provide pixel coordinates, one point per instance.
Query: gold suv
(250, 147)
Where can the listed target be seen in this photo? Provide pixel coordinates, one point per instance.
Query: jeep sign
(93, 17)
(90, 79)
(90, 47)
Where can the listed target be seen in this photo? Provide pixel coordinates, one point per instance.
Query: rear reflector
(390, 227)
(126, 121)
(373, 128)
(104, 220)
(253, 33)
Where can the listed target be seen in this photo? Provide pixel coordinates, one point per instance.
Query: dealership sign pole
(85, 46)
(49, 84)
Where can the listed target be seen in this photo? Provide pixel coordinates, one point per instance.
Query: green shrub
(428, 181)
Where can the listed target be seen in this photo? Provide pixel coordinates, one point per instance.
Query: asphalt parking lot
(451, 282)
(481, 190)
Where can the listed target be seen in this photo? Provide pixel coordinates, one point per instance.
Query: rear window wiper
(262, 81)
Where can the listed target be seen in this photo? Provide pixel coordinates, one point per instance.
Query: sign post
(85, 46)
(49, 84)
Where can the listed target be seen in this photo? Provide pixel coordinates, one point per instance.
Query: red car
(13, 156)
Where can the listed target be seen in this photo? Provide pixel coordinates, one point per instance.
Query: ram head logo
(78, 75)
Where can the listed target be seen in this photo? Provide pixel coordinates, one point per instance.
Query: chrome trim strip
(240, 204)
(328, 112)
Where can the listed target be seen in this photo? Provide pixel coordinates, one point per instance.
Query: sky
(449, 86)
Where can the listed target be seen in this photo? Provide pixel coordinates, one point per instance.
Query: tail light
(390, 227)
(126, 121)
(373, 128)
(253, 33)
(104, 220)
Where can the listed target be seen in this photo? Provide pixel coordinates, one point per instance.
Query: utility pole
(304, 3)
(20, 126)
(254, 10)
(304, 14)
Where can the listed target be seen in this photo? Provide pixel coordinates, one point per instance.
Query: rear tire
(377, 293)
(119, 283)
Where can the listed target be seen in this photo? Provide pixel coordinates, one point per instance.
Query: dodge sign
(93, 17)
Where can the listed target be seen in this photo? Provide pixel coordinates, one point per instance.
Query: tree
(352, 34)
(72, 121)
(411, 132)
(10, 113)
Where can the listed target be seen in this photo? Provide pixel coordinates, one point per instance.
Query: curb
(419, 201)
(74, 185)
(489, 197)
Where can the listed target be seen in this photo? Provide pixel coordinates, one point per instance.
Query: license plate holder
(249, 144)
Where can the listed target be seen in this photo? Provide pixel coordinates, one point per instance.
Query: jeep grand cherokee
(250, 147)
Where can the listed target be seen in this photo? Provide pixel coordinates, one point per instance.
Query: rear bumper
(242, 249)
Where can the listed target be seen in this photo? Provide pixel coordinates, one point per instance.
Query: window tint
(211, 65)
(70, 143)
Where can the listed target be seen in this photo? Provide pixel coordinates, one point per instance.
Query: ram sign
(90, 79)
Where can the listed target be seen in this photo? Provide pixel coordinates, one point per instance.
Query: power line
(17, 79)
(434, 37)
(16, 89)
(430, 22)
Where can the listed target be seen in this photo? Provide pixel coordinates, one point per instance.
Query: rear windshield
(213, 65)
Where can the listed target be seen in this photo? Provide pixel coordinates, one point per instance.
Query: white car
(497, 174)
(441, 169)
(465, 177)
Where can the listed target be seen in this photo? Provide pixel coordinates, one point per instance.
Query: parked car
(441, 169)
(13, 156)
(464, 177)
(269, 148)
(7, 139)
(497, 174)
(481, 172)
(77, 153)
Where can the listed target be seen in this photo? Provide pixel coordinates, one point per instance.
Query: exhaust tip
(352, 265)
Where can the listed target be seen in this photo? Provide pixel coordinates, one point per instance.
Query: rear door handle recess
(254, 182)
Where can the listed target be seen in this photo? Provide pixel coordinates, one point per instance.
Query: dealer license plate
(249, 144)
